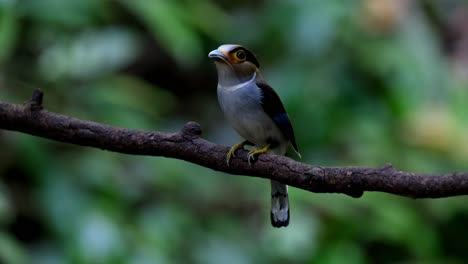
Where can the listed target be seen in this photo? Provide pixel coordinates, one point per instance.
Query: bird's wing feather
(274, 108)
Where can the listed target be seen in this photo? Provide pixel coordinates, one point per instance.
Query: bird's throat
(239, 84)
(229, 77)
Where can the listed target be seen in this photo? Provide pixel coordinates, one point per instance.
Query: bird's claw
(232, 152)
(253, 153)
(251, 158)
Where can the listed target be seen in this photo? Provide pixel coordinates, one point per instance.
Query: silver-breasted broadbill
(256, 112)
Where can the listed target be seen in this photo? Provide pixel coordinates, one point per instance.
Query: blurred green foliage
(365, 82)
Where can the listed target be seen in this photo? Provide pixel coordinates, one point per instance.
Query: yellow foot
(251, 158)
(232, 151)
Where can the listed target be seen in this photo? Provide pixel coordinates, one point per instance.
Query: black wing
(274, 108)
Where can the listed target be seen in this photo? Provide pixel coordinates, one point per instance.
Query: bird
(255, 111)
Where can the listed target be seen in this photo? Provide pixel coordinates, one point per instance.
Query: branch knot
(35, 104)
(192, 129)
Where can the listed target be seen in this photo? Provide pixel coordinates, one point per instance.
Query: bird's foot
(231, 153)
(253, 153)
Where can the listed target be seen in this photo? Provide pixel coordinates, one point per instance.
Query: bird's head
(235, 64)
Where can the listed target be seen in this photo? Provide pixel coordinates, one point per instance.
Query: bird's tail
(279, 204)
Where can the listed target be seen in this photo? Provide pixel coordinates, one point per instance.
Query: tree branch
(189, 146)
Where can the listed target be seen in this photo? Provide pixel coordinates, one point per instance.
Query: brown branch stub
(189, 146)
(35, 104)
(192, 129)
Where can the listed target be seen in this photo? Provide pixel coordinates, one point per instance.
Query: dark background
(365, 82)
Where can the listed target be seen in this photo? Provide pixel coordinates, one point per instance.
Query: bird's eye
(240, 55)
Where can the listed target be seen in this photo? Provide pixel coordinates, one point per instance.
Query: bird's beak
(217, 55)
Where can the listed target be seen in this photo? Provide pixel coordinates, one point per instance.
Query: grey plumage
(242, 108)
(255, 111)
